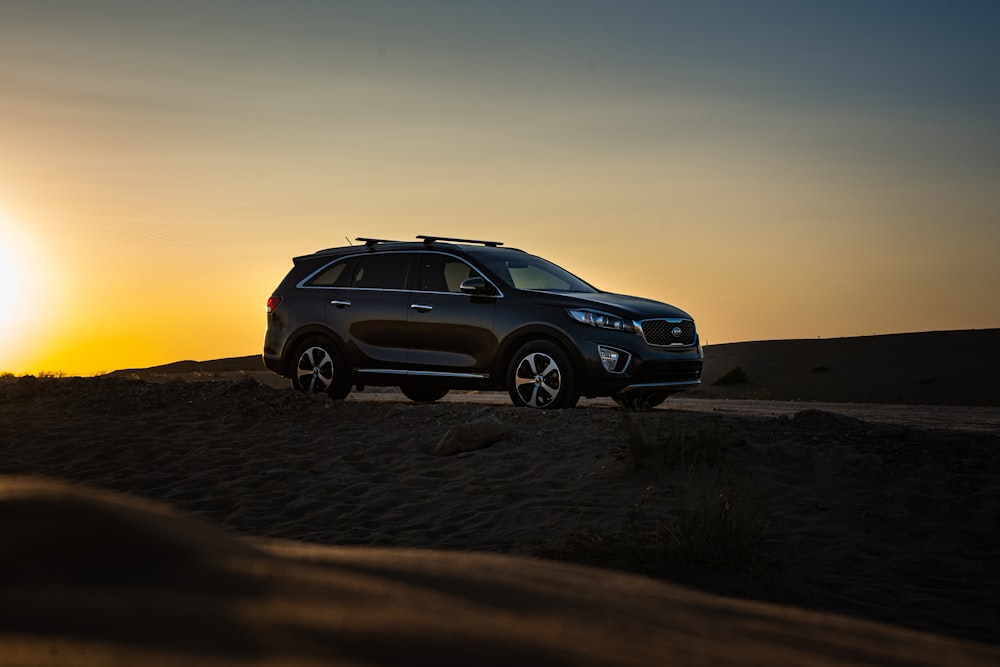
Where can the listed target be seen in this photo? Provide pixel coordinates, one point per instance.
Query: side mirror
(477, 287)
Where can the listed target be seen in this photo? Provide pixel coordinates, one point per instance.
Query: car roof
(467, 246)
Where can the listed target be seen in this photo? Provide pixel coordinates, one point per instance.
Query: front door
(449, 332)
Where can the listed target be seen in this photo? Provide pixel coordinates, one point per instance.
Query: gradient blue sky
(778, 169)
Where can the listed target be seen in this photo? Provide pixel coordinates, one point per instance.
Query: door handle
(422, 307)
(340, 304)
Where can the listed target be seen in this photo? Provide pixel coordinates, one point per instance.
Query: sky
(778, 169)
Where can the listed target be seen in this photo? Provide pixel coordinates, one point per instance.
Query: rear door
(449, 333)
(370, 314)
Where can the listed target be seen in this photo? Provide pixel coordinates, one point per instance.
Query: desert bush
(681, 449)
(676, 447)
(719, 524)
(715, 527)
(635, 439)
(48, 375)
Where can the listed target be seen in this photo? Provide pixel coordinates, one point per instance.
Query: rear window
(336, 275)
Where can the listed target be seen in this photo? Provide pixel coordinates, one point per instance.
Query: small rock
(471, 436)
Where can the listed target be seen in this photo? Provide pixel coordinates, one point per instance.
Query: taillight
(272, 303)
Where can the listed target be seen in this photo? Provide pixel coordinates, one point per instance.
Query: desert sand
(227, 521)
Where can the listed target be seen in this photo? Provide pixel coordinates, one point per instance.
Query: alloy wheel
(538, 380)
(314, 370)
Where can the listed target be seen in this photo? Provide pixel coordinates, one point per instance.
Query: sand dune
(877, 522)
(100, 579)
(930, 368)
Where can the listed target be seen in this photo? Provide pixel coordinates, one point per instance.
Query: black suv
(442, 313)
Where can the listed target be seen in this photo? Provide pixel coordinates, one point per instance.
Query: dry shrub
(715, 530)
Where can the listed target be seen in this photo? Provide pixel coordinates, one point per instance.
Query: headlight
(602, 320)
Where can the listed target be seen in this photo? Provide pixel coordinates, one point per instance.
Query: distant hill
(930, 368)
(227, 365)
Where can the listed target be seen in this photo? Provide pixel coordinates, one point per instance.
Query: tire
(540, 376)
(420, 394)
(639, 402)
(318, 367)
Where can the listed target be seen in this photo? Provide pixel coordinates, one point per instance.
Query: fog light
(609, 358)
(614, 360)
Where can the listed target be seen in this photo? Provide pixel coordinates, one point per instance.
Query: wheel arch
(304, 334)
(515, 340)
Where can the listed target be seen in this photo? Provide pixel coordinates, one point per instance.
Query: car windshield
(534, 273)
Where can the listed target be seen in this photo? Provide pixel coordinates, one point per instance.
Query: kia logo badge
(677, 331)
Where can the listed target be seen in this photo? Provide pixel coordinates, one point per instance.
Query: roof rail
(372, 243)
(428, 240)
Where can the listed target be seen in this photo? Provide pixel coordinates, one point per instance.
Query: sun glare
(20, 289)
(11, 273)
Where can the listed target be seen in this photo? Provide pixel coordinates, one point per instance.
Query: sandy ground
(879, 520)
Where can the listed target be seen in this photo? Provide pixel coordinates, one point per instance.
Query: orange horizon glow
(147, 322)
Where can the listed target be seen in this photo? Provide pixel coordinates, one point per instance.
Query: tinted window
(441, 273)
(336, 275)
(381, 271)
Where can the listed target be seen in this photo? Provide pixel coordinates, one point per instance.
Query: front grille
(665, 332)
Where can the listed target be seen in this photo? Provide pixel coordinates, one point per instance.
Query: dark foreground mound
(95, 578)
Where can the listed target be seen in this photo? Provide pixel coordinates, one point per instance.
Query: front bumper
(650, 369)
(659, 387)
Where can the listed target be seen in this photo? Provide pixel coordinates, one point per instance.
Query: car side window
(381, 271)
(336, 275)
(441, 273)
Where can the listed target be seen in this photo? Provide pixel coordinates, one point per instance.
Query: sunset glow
(814, 172)
(12, 283)
(24, 283)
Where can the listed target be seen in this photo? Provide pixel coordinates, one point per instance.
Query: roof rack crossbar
(372, 243)
(428, 240)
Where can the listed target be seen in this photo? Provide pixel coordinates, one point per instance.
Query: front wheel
(423, 394)
(319, 368)
(540, 376)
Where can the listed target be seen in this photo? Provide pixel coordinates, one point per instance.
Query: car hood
(631, 307)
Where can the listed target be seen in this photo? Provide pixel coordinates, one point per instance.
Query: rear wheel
(423, 394)
(319, 368)
(540, 376)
